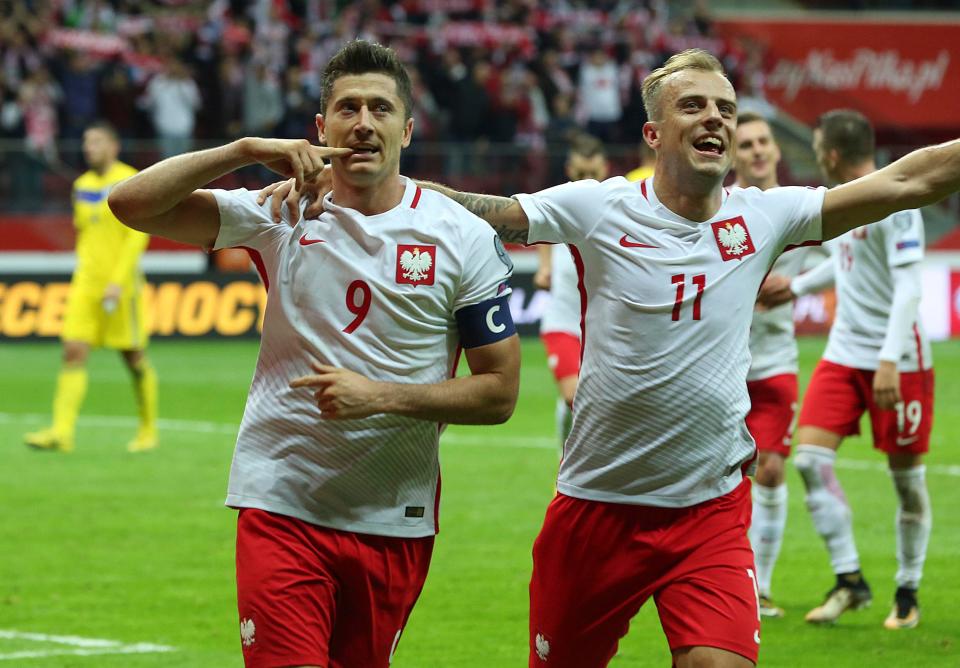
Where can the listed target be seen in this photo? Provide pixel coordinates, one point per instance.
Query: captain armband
(485, 323)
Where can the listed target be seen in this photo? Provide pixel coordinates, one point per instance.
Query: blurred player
(368, 306)
(105, 306)
(653, 499)
(877, 360)
(772, 378)
(560, 325)
(647, 161)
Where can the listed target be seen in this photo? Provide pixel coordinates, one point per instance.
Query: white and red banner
(900, 74)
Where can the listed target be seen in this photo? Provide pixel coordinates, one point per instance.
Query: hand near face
(292, 158)
(342, 394)
(286, 193)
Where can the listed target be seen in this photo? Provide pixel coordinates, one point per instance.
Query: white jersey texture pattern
(862, 260)
(773, 345)
(357, 292)
(563, 312)
(659, 414)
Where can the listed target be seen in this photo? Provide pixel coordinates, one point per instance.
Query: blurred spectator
(118, 101)
(262, 102)
(299, 110)
(81, 83)
(599, 91)
(172, 99)
(470, 112)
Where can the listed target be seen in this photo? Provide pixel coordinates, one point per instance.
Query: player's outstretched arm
(166, 199)
(487, 396)
(504, 214)
(922, 177)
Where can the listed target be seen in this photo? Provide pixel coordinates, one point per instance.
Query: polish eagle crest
(734, 238)
(416, 265)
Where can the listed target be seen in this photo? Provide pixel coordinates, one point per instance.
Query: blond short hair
(691, 59)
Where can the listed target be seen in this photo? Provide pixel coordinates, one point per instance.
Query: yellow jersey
(639, 174)
(107, 250)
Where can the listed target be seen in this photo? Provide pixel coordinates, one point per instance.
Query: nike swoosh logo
(306, 242)
(906, 441)
(626, 243)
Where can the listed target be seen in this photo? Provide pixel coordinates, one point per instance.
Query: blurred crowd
(178, 73)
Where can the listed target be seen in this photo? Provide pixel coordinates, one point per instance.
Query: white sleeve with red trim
(907, 281)
(560, 214)
(796, 212)
(245, 223)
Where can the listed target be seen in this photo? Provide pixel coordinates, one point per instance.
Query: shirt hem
(724, 487)
(370, 528)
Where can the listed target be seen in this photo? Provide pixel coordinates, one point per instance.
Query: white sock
(831, 514)
(914, 519)
(766, 530)
(564, 417)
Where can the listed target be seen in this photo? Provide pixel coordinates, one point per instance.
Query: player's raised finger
(311, 380)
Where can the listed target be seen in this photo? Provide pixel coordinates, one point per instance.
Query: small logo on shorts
(413, 511)
(247, 632)
(542, 647)
(756, 636)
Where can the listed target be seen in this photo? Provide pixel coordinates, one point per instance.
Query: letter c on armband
(478, 324)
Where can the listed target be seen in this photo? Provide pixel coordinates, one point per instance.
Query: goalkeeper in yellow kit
(105, 306)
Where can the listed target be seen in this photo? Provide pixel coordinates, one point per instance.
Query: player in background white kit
(560, 323)
(651, 499)
(772, 378)
(877, 360)
(369, 304)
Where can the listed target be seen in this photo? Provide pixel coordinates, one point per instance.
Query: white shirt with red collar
(659, 412)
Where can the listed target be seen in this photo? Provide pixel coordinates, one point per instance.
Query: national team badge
(733, 238)
(416, 264)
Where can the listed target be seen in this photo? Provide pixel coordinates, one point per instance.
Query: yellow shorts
(86, 320)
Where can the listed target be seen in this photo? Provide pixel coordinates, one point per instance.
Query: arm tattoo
(502, 213)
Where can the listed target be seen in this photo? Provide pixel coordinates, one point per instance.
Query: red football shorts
(595, 564)
(773, 406)
(309, 595)
(838, 395)
(563, 353)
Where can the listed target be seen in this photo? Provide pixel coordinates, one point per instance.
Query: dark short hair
(106, 127)
(586, 145)
(849, 133)
(751, 117)
(362, 57)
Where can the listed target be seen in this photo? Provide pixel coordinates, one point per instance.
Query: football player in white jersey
(336, 470)
(877, 360)
(652, 495)
(772, 377)
(560, 324)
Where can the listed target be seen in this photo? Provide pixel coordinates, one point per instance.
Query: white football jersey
(563, 311)
(372, 294)
(659, 413)
(773, 346)
(862, 259)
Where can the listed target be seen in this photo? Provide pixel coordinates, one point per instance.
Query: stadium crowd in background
(516, 72)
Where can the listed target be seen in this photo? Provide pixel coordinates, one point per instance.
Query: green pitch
(111, 560)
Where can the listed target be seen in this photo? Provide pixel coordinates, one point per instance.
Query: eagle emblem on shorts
(416, 264)
(247, 632)
(733, 238)
(542, 646)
